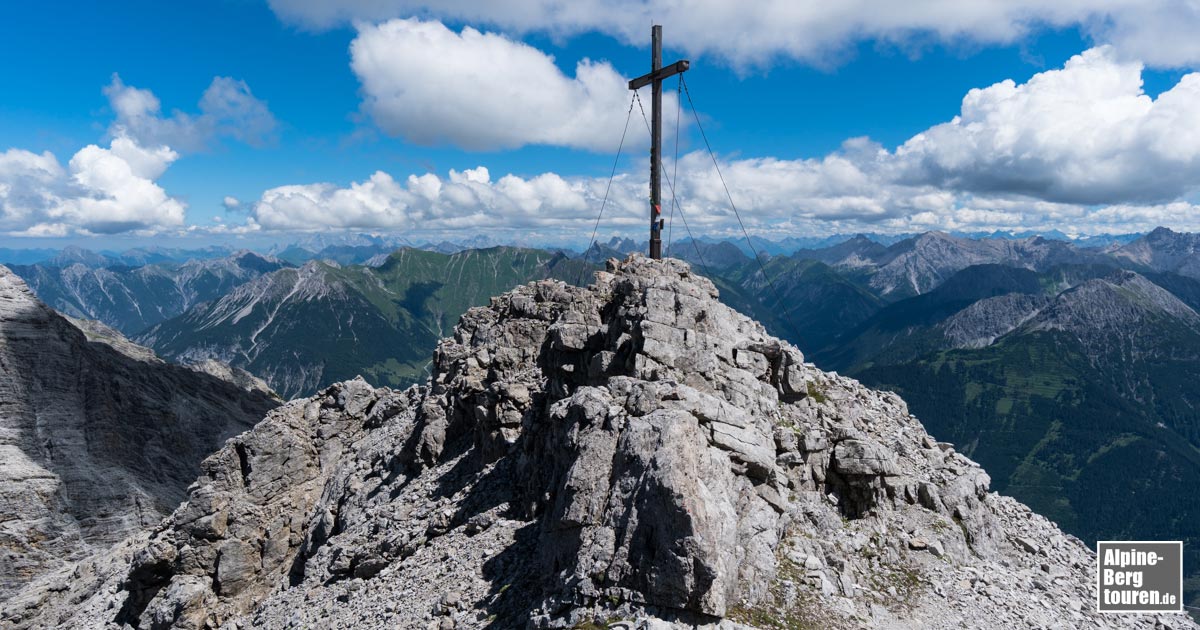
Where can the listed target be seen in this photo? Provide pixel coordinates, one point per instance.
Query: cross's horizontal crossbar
(660, 74)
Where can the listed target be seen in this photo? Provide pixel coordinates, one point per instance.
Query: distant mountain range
(131, 299)
(73, 254)
(303, 328)
(352, 248)
(814, 296)
(1067, 370)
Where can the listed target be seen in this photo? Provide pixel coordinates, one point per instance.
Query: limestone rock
(630, 451)
(98, 438)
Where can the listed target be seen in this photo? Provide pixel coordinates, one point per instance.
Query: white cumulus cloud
(1161, 32)
(430, 85)
(114, 188)
(227, 110)
(1082, 149)
(773, 194)
(102, 190)
(467, 199)
(1085, 134)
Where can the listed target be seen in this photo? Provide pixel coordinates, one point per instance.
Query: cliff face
(97, 439)
(631, 453)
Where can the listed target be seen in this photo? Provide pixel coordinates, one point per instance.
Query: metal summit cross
(655, 78)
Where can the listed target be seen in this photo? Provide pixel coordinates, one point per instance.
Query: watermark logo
(1139, 576)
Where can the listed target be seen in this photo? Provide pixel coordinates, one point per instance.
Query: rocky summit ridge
(631, 454)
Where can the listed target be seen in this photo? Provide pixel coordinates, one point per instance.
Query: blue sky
(779, 110)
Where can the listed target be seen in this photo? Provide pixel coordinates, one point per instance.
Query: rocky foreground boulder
(630, 455)
(99, 439)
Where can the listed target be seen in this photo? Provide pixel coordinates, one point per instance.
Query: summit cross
(655, 78)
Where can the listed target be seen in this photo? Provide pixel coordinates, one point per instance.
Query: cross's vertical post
(655, 79)
(656, 144)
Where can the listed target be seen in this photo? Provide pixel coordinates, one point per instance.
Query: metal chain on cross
(645, 119)
(671, 186)
(749, 243)
(675, 166)
(611, 176)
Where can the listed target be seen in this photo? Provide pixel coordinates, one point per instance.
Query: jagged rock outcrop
(1164, 250)
(98, 440)
(237, 376)
(101, 333)
(1116, 304)
(985, 321)
(632, 453)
